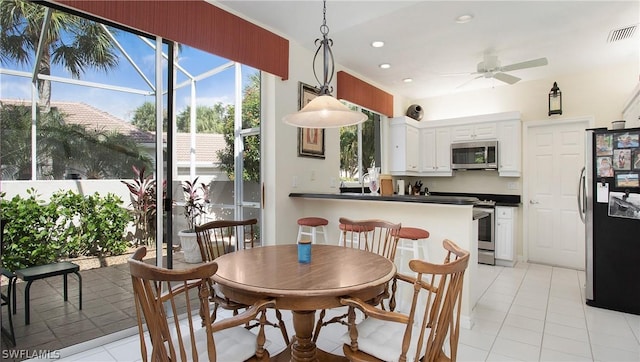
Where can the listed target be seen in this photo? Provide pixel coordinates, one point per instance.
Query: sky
(209, 91)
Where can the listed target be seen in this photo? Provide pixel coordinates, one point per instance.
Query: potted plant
(195, 200)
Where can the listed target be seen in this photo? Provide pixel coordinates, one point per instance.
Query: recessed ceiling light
(385, 66)
(407, 80)
(377, 44)
(463, 19)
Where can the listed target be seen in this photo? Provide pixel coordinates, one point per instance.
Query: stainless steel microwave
(477, 155)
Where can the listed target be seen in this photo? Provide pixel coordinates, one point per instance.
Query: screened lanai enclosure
(96, 101)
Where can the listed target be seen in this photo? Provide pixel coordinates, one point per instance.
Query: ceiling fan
(490, 68)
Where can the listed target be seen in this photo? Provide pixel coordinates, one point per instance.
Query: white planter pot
(189, 244)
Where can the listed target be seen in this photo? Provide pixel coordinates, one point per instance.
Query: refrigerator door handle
(582, 195)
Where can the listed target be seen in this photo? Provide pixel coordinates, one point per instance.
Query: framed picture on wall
(310, 140)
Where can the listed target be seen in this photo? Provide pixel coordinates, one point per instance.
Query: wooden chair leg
(282, 327)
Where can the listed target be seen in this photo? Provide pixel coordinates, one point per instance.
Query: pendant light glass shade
(324, 112)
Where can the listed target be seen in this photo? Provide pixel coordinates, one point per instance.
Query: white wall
(601, 93)
(280, 150)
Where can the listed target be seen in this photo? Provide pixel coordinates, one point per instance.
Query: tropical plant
(90, 224)
(208, 119)
(28, 235)
(73, 42)
(61, 146)
(251, 147)
(196, 198)
(143, 202)
(144, 117)
(69, 225)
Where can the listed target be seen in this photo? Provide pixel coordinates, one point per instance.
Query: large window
(359, 147)
(85, 117)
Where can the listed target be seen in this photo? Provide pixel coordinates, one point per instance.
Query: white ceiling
(423, 40)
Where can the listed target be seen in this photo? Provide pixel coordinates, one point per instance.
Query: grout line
(510, 305)
(546, 314)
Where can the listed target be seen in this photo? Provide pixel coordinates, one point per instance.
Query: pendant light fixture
(324, 111)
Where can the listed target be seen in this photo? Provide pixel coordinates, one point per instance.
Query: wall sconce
(555, 100)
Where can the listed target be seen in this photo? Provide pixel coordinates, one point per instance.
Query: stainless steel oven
(486, 234)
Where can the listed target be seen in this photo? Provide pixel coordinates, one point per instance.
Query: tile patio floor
(107, 307)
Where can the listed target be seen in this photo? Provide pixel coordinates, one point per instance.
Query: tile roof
(207, 144)
(93, 118)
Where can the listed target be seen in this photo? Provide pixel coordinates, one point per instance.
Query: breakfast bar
(445, 217)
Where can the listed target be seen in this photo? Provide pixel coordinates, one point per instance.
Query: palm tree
(73, 42)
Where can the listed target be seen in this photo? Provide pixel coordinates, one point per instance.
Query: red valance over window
(358, 92)
(198, 24)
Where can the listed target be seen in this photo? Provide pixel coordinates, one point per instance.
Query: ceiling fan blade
(506, 78)
(454, 74)
(469, 81)
(528, 64)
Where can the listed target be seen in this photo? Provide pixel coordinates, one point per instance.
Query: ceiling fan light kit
(555, 100)
(324, 111)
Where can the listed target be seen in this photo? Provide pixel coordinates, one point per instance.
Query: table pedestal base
(303, 349)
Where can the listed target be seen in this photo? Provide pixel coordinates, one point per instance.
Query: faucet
(362, 183)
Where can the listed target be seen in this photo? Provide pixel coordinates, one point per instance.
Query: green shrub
(27, 237)
(70, 225)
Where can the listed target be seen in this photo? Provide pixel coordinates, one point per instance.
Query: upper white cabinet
(435, 152)
(473, 132)
(424, 148)
(509, 148)
(405, 146)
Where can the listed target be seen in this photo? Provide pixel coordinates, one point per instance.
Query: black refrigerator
(610, 205)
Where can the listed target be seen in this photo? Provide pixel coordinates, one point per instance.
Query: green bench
(31, 274)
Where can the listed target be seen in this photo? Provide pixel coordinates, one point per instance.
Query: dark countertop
(432, 199)
(499, 199)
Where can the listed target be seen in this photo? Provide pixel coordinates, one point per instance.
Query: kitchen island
(445, 217)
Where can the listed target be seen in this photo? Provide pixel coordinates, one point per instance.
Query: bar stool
(409, 237)
(408, 240)
(312, 224)
(355, 231)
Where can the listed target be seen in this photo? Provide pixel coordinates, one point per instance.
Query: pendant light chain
(324, 111)
(325, 44)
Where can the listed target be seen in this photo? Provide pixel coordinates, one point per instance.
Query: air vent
(622, 33)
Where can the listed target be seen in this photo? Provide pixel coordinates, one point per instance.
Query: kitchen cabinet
(435, 152)
(505, 235)
(405, 148)
(424, 148)
(509, 148)
(473, 132)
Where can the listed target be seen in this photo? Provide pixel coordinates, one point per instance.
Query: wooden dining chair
(374, 235)
(421, 334)
(220, 237)
(169, 300)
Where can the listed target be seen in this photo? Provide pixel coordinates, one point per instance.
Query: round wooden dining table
(274, 272)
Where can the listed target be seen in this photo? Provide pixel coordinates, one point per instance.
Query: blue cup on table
(304, 251)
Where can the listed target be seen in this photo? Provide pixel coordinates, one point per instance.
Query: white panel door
(555, 233)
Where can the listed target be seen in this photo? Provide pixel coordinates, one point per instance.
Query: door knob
(533, 202)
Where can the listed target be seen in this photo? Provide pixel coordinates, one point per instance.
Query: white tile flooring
(526, 313)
